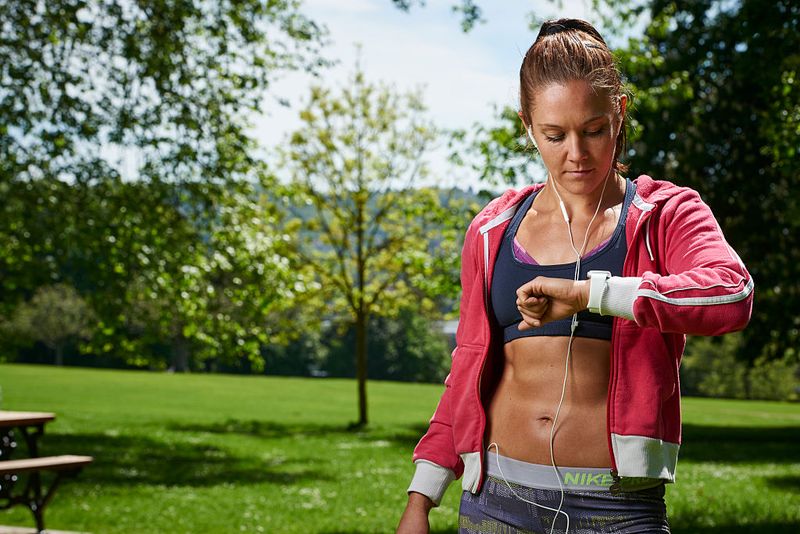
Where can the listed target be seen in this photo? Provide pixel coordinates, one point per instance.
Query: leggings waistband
(544, 477)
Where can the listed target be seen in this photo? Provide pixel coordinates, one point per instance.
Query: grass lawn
(215, 453)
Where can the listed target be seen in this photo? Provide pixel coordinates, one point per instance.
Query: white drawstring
(647, 239)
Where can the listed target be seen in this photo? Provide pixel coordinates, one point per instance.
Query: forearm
(415, 516)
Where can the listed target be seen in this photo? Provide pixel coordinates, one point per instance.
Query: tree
(224, 298)
(123, 137)
(174, 81)
(718, 109)
(55, 316)
(376, 240)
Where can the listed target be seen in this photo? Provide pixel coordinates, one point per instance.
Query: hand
(415, 516)
(546, 299)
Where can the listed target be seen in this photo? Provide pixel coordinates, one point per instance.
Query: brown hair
(566, 50)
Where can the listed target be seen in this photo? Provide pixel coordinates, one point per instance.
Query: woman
(561, 412)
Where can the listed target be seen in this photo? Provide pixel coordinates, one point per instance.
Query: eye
(554, 139)
(597, 132)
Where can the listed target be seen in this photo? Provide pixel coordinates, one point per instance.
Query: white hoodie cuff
(431, 480)
(619, 296)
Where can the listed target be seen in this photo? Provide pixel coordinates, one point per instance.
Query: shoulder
(498, 205)
(667, 195)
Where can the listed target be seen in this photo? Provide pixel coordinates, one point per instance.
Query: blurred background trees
(127, 171)
(131, 184)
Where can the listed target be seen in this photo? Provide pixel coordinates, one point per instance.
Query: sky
(463, 76)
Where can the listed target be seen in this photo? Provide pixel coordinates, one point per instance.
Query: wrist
(583, 294)
(598, 282)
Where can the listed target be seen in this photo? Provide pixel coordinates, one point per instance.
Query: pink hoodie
(680, 277)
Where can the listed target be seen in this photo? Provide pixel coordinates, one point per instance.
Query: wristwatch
(597, 286)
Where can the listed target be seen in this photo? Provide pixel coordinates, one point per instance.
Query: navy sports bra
(510, 273)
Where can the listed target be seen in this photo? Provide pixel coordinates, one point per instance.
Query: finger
(531, 298)
(537, 308)
(532, 315)
(526, 290)
(534, 303)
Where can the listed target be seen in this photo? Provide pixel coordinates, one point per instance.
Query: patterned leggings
(496, 510)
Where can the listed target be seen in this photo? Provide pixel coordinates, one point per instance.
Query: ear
(522, 118)
(623, 106)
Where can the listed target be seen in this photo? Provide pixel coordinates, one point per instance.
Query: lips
(580, 172)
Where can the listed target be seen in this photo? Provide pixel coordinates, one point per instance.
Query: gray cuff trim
(431, 480)
(619, 296)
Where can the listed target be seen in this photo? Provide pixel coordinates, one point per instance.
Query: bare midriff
(523, 407)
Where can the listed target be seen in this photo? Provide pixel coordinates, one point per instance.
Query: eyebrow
(600, 116)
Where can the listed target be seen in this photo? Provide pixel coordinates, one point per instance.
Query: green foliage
(127, 171)
(717, 110)
(407, 347)
(170, 82)
(368, 228)
(775, 379)
(56, 315)
(497, 153)
(222, 298)
(711, 368)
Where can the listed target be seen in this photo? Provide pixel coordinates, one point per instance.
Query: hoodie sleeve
(437, 462)
(705, 288)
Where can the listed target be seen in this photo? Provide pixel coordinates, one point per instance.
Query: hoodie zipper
(484, 230)
(646, 209)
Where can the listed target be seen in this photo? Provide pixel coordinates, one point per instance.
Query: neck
(578, 205)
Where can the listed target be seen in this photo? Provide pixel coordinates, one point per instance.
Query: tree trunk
(180, 354)
(361, 367)
(59, 354)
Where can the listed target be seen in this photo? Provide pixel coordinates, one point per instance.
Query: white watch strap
(597, 286)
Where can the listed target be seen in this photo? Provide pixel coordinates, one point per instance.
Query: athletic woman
(561, 412)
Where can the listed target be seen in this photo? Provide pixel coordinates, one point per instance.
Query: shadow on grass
(787, 482)
(403, 436)
(139, 460)
(776, 445)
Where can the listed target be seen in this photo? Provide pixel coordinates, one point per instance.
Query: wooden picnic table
(31, 426)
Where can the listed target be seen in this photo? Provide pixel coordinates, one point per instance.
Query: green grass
(213, 453)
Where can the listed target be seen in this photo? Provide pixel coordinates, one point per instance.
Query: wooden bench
(32, 496)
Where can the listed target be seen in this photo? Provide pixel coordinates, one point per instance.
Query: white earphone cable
(573, 327)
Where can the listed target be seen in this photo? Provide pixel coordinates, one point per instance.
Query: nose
(576, 148)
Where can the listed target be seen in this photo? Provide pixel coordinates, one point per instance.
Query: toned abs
(522, 408)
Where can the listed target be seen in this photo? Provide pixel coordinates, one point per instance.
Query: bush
(710, 367)
(774, 380)
(55, 316)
